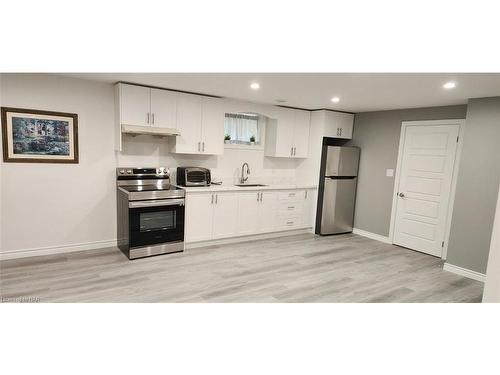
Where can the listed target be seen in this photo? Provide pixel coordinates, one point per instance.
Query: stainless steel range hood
(149, 130)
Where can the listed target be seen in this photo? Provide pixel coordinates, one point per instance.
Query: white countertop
(229, 187)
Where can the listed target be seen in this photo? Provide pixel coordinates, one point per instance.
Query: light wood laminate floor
(300, 268)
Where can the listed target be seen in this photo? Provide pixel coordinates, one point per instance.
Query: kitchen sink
(249, 185)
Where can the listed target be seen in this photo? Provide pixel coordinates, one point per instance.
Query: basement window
(243, 129)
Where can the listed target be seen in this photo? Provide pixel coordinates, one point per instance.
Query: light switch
(389, 172)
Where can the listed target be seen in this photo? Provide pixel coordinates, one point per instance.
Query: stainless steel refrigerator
(337, 190)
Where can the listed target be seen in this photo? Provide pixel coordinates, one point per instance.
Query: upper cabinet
(200, 122)
(198, 119)
(135, 104)
(144, 106)
(335, 124)
(288, 134)
(163, 108)
(188, 124)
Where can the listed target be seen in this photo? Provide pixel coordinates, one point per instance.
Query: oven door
(156, 222)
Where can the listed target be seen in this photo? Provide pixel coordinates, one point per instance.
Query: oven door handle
(156, 203)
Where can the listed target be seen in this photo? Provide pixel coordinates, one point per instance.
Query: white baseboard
(464, 272)
(371, 235)
(15, 254)
(224, 241)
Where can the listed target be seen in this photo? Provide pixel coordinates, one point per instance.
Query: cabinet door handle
(340, 131)
(261, 196)
(199, 146)
(212, 199)
(203, 149)
(216, 198)
(153, 118)
(148, 118)
(258, 196)
(291, 151)
(294, 151)
(306, 195)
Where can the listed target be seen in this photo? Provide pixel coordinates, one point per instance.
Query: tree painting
(32, 136)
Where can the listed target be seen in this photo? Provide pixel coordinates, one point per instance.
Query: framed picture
(33, 136)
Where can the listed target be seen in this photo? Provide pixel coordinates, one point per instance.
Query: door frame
(456, 166)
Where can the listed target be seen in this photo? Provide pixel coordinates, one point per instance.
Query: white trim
(265, 236)
(15, 254)
(373, 236)
(464, 272)
(451, 200)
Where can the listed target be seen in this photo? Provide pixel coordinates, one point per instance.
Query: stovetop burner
(147, 183)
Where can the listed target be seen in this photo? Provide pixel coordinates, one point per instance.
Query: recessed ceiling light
(449, 85)
(254, 86)
(335, 99)
(281, 100)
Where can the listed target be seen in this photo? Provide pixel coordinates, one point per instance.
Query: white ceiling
(358, 92)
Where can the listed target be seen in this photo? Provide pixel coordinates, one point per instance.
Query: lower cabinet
(256, 212)
(225, 215)
(211, 216)
(199, 217)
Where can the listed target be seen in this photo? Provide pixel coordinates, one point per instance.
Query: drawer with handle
(291, 195)
(289, 207)
(289, 222)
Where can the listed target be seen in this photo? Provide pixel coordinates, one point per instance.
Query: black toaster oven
(193, 176)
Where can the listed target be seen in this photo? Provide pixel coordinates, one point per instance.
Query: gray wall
(477, 186)
(377, 133)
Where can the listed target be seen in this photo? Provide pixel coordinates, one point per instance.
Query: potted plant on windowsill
(252, 140)
(227, 139)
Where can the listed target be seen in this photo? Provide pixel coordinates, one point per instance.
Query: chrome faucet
(243, 178)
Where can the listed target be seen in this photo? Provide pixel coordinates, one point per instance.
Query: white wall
(61, 205)
(492, 284)
(49, 205)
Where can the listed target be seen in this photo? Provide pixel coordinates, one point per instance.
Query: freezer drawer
(342, 161)
(338, 206)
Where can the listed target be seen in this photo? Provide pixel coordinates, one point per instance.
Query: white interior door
(423, 194)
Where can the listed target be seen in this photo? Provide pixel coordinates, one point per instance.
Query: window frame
(262, 122)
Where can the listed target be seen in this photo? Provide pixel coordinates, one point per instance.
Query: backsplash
(149, 151)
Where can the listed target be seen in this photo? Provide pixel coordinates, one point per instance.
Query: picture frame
(36, 136)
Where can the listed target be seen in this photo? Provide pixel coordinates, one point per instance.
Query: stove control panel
(160, 171)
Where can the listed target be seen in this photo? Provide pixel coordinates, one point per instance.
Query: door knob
(401, 195)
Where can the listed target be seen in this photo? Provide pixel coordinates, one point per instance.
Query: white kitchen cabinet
(301, 134)
(210, 216)
(134, 105)
(336, 124)
(163, 108)
(308, 207)
(248, 212)
(188, 124)
(217, 215)
(212, 126)
(145, 106)
(225, 215)
(288, 134)
(267, 211)
(199, 217)
(200, 122)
